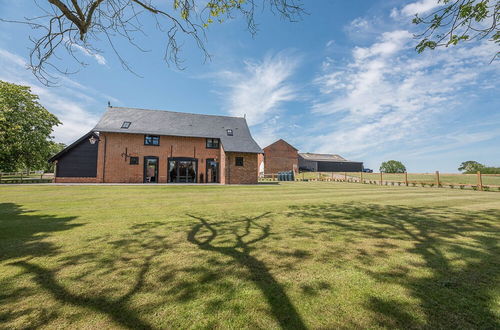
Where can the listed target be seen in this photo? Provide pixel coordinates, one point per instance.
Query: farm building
(152, 146)
(327, 163)
(280, 156)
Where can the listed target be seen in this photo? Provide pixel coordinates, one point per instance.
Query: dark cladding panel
(339, 167)
(79, 161)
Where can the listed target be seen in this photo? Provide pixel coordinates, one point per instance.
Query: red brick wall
(279, 157)
(114, 168)
(75, 180)
(246, 174)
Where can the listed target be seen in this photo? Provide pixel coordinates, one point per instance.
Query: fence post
(272, 177)
(406, 178)
(381, 178)
(21, 176)
(319, 176)
(345, 176)
(361, 177)
(332, 176)
(438, 182)
(479, 181)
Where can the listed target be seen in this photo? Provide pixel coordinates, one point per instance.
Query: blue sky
(345, 79)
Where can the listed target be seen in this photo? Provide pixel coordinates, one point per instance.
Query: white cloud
(387, 93)
(71, 102)
(418, 7)
(261, 88)
(98, 57)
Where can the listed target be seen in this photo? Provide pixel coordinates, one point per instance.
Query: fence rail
(476, 181)
(26, 177)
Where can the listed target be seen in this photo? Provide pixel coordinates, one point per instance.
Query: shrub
(452, 186)
(486, 188)
(431, 185)
(474, 187)
(462, 186)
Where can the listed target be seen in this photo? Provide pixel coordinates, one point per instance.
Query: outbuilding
(327, 163)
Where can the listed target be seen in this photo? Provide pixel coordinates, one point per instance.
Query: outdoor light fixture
(92, 140)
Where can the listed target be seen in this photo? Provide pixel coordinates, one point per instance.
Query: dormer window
(126, 124)
(229, 132)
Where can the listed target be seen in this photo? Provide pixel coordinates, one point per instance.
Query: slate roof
(159, 122)
(324, 157)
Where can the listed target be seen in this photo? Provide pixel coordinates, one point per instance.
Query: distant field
(470, 179)
(295, 255)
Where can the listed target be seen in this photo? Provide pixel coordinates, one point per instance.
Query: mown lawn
(296, 255)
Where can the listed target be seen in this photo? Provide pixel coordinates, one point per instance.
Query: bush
(486, 188)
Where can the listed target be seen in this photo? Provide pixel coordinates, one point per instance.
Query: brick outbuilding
(280, 156)
(136, 145)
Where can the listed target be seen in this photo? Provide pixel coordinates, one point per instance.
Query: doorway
(212, 174)
(150, 169)
(182, 170)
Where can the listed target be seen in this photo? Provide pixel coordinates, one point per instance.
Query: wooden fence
(26, 177)
(478, 181)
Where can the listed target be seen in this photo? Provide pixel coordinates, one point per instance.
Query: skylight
(229, 132)
(126, 124)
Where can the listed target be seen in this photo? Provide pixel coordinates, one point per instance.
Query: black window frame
(229, 132)
(134, 160)
(126, 124)
(239, 161)
(208, 146)
(153, 138)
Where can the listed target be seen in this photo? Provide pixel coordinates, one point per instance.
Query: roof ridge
(185, 113)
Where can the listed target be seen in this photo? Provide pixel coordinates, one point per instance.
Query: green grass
(295, 255)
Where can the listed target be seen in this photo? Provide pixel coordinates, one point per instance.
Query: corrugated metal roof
(160, 122)
(324, 157)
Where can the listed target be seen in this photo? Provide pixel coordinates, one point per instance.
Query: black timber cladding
(327, 163)
(80, 160)
(339, 167)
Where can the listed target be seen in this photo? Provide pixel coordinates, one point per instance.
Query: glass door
(182, 170)
(150, 169)
(212, 171)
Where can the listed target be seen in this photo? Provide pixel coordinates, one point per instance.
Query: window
(151, 140)
(134, 160)
(213, 143)
(229, 132)
(126, 124)
(239, 161)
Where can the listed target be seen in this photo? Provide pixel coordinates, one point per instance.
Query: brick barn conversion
(281, 156)
(135, 145)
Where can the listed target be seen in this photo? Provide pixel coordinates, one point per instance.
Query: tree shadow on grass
(204, 234)
(30, 229)
(459, 250)
(22, 233)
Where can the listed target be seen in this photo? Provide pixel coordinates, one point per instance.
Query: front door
(182, 170)
(150, 169)
(212, 171)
